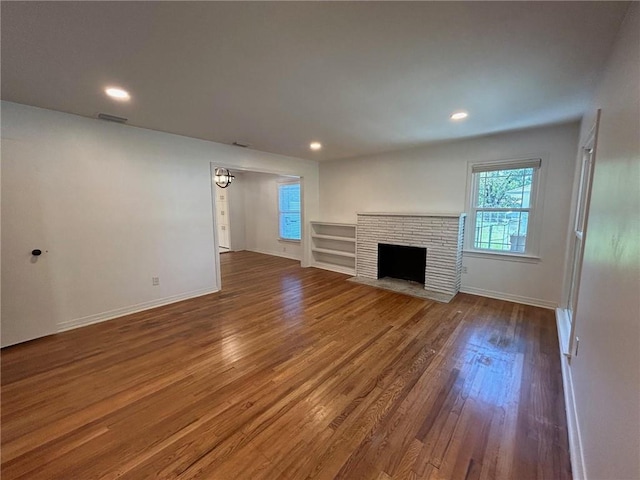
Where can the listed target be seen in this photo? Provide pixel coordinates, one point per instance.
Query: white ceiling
(360, 77)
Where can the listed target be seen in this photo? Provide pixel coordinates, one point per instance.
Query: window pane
(491, 231)
(518, 223)
(289, 197)
(290, 226)
(509, 188)
(501, 231)
(289, 211)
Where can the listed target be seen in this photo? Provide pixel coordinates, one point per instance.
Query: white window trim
(278, 184)
(501, 255)
(534, 229)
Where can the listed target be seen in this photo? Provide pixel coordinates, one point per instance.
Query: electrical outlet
(464, 269)
(155, 281)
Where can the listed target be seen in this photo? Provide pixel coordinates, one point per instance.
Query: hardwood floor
(291, 373)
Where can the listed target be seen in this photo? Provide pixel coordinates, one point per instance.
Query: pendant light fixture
(222, 177)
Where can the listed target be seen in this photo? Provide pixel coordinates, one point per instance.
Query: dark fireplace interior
(399, 261)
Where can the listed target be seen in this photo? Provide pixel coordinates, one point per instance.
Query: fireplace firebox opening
(402, 262)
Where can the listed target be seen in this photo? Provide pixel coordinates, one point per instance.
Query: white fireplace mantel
(412, 214)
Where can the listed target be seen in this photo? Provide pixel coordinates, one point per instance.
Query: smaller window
(289, 211)
(503, 197)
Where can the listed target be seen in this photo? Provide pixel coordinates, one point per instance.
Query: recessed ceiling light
(117, 93)
(459, 115)
(315, 146)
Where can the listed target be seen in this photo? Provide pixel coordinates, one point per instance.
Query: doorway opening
(259, 212)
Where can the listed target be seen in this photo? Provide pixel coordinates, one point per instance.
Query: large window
(289, 211)
(502, 202)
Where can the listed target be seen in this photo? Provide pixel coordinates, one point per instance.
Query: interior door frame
(573, 281)
(216, 240)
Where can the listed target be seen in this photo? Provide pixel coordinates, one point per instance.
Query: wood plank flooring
(291, 373)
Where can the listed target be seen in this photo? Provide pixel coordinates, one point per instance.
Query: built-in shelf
(333, 246)
(334, 237)
(334, 252)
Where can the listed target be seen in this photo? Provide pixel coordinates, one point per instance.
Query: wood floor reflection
(291, 373)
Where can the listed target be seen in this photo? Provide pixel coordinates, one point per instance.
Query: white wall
(434, 178)
(605, 375)
(261, 216)
(113, 205)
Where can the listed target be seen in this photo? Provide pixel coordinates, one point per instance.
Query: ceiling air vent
(111, 118)
(241, 144)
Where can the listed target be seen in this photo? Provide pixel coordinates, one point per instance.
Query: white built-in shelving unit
(333, 246)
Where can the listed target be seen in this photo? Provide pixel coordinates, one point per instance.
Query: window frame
(280, 211)
(532, 248)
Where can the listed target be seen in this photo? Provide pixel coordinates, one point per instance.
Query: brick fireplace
(440, 234)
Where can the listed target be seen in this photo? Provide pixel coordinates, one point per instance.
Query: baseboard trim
(119, 312)
(573, 430)
(535, 302)
(275, 254)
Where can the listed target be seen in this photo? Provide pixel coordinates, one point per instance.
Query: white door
(29, 306)
(222, 218)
